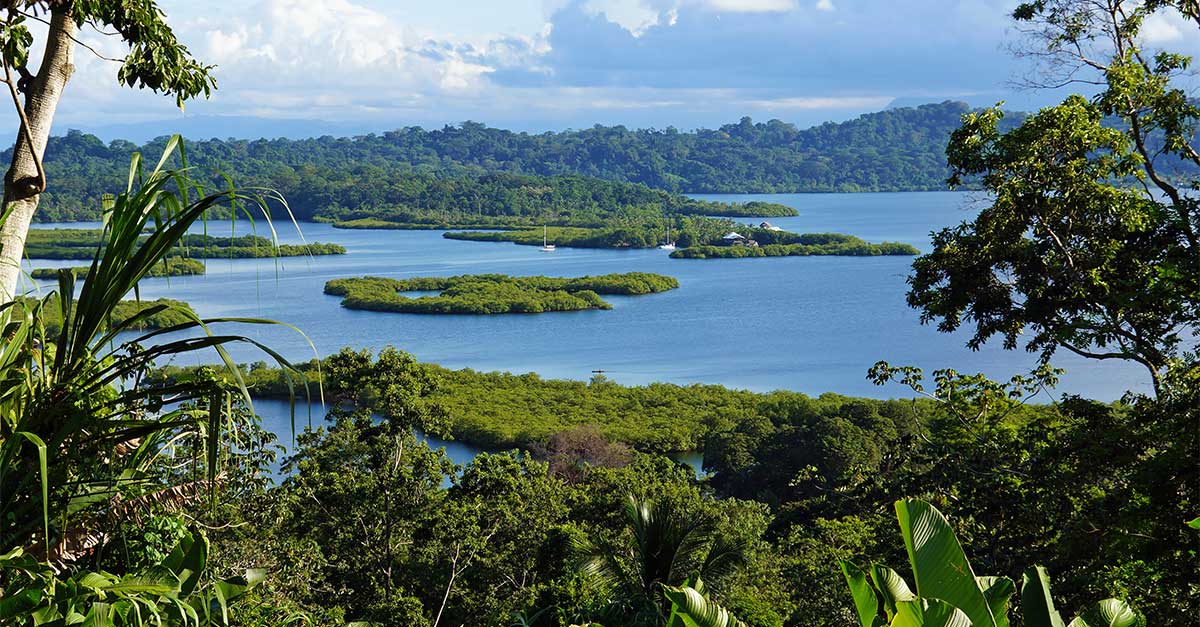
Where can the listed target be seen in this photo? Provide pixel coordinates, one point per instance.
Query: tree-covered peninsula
(493, 293)
(83, 243)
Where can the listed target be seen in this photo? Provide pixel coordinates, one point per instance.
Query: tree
(1089, 244)
(156, 61)
(669, 541)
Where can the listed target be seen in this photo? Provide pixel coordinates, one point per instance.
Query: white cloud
(633, 15)
(752, 6)
(330, 46)
(825, 5)
(1158, 29)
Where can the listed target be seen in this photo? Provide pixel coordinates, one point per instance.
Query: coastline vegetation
(172, 266)
(136, 315)
(83, 243)
(493, 293)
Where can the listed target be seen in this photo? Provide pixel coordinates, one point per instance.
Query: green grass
(493, 293)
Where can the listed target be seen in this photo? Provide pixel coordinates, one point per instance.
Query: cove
(276, 416)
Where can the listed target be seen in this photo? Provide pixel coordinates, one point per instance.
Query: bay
(809, 324)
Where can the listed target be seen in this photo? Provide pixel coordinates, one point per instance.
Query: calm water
(810, 324)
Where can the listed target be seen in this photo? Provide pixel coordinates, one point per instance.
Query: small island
(82, 244)
(174, 266)
(737, 246)
(493, 293)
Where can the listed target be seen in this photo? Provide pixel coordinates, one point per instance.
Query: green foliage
(669, 541)
(82, 442)
(948, 593)
(176, 591)
(84, 243)
(1089, 244)
(493, 293)
(133, 315)
(172, 266)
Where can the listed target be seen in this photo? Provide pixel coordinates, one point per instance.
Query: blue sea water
(810, 324)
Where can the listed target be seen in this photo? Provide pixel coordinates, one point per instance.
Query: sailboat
(668, 244)
(546, 246)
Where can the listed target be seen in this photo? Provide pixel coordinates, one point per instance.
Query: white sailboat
(668, 244)
(546, 246)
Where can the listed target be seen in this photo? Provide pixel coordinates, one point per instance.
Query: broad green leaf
(940, 568)
(1109, 613)
(891, 587)
(998, 591)
(155, 580)
(1037, 607)
(45, 479)
(866, 603)
(689, 608)
(1194, 523)
(188, 560)
(929, 613)
(20, 603)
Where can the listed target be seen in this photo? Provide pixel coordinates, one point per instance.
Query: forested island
(173, 266)
(83, 243)
(493, 293)
(696, 238)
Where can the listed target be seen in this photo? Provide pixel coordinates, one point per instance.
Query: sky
(297, 67)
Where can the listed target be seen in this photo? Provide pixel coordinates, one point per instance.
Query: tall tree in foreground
(1088, 245)
(156, 60)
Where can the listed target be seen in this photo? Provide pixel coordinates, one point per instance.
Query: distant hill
(899, 149)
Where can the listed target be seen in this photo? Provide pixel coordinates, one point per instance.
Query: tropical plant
(78, 429)
(691, 607)
(950, 594)
(668, 544)
(173, 592)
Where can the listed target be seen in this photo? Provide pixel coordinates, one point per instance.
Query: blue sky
(551, 64)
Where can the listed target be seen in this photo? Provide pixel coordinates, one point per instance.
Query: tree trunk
(21, 185)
